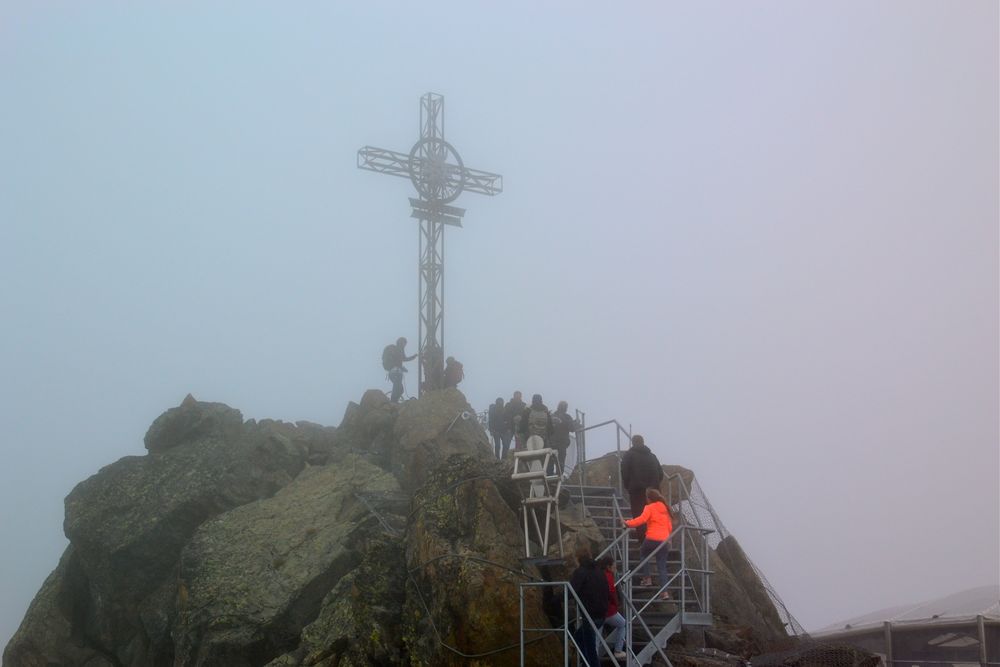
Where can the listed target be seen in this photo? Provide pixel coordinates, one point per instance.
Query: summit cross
(439, 176)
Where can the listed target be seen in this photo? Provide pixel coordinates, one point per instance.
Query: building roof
(968, 604)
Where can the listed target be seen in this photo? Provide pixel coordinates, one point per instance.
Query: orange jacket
(657, 520)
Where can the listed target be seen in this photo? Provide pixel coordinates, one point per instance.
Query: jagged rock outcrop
(393, 539)
(255, 576)
(463, 553)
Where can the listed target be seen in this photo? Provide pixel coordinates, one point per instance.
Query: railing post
(981, 626)
(887, 630)
(683, 574)
(706, 577)
(520, 601)
(565, 627)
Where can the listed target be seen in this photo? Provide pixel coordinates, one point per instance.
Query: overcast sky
(764, 234)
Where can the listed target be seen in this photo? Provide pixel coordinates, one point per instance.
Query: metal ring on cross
(434, 177)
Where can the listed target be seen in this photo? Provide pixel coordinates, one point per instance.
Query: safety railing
(691, 541)
(568, 638)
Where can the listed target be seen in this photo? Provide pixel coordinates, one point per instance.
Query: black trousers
(637, 498)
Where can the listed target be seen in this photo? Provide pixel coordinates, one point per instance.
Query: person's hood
(641, 448)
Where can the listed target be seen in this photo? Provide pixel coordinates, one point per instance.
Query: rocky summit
(392, 539)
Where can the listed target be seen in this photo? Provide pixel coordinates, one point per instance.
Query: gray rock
(129, 522)
(257, 575)
(193, 420)
(464, 553)
(50, 633)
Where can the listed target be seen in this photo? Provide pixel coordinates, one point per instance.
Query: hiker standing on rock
(495, 421)
(640, 471)
(536, 423)
(393, 356)
(562, 426)
(513, 413)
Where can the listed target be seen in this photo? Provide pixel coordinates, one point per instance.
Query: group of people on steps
(594, 581)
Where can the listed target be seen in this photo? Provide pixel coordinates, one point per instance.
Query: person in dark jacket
(536, 420)
(640, 471)
(591, 586)
(495, 421)
(562, 425)
(512, 413)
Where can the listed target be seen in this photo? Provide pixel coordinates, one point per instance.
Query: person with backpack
(393, 357)
(562, 425)
(453, 373)
(659, 524)
(513, 412)
(640, 471)
(495, 423)
(591, 587)
(536, 422)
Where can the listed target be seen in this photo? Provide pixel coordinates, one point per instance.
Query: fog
(764, 235)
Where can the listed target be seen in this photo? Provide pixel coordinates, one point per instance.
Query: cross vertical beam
(439, 176)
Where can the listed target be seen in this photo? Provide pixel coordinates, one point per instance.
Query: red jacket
(612, 594)
(657, 520)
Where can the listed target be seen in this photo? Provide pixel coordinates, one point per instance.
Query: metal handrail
(567, 635)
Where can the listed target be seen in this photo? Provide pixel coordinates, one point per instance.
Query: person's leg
(645, 549)
(506, 443)
(637, 499)
(617, 637)
(397, 388)
(589, 644)
(496, 443)
(661, 564)
(580, 636)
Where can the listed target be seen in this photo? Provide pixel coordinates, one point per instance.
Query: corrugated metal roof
(984, 601)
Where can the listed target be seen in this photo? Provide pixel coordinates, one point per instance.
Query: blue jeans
(647, 548)
(586, 640)
(617, 637)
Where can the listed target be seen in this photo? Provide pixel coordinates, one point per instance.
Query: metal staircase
(650, 621)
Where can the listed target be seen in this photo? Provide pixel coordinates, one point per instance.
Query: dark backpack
(390, 357)
(538, 423)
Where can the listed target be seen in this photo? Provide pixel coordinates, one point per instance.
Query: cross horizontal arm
(483, 182)
(383, 161)
(398, 164)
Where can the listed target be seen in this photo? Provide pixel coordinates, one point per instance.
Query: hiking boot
(621, 655)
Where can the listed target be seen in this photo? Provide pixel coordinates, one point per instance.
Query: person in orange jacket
(656, 517)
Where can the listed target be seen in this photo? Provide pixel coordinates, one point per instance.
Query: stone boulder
(193, 420)
(128, 523)
(51, 631)
(256, 576)
(428, 431)
(360, 621)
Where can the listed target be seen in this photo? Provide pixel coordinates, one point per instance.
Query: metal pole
(683, 575)
(981, 625)
(520, 595)
(887, 634)
(565, 627)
